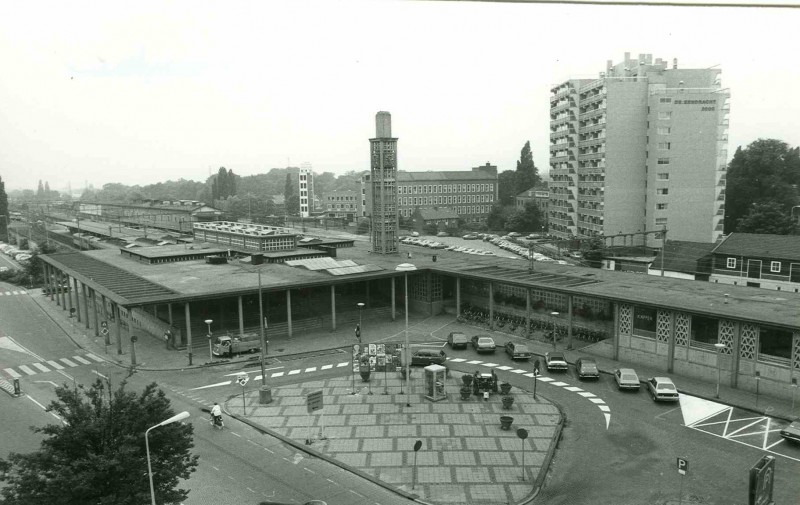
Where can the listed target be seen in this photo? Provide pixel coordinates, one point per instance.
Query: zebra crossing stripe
(596, 400)
(13, 373)
(502, 367)
(277, 374)
(68, 362)
(27, 370)
(560, 384)
(326, 367)
(92, 356)
(8, 293)
(311, 369)
(16, 292)
(55, 365)
(81, 360)
(41, 367)
(294, 372)
(23, 292)
(342, 364)
(574, 389)
(587, 394)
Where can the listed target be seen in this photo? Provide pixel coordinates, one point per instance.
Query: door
(754, 269)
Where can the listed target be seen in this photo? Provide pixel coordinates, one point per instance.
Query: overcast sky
(142, 92)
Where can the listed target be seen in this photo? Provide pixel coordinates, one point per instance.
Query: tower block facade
(383, 178)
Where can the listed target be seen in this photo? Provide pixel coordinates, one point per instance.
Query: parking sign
(683, 466)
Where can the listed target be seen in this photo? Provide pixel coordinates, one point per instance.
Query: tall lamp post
(264, 394)
(208, 322)
(720, 347)
(175, 418)
(405, 268)
(554, 314)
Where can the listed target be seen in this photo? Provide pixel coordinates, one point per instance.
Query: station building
(664, 322)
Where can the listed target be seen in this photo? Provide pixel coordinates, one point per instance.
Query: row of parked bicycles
(538, 328)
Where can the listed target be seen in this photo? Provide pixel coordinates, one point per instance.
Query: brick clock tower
(383, 178)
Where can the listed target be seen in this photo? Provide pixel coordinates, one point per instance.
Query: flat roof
(195, 279)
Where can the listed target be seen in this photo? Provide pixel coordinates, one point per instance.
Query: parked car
(483, 343)
(576, 254)
(556, 361)
(792, 432)
(470, 236)
(3, 269)
(442, 234)
(627, 379)
(587, 368)
(518, 351)
(425, 357)
(457, 340)
(662, 389)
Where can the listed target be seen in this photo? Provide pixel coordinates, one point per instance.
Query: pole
(408, 358)
(664, 252)
(261, 328)
(149, 468)
(244, 405)
(719, 347)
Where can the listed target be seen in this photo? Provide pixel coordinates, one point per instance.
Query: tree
(40, 190)
(527, 175)
(507, 187)
(98, 456)
(3, 210)
(767, 170)
(528, 219)
(767, 218)
(595, 251)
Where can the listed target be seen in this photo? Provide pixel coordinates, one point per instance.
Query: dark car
(587, 368)
(518, 351)
(792, 432)
(483, 343)
(425, 357)
(457, 340)
(556, 361)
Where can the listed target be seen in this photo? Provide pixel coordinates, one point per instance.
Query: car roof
(556, 354)
(662, 379)
(627, 370)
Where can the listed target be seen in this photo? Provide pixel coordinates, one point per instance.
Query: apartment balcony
(592, 156)
(561, 206)
(589, 114)
(589, 212)
(555, 122)
(596, 170)
(592, 184)
(592, 98)
(592, 142)
(562, 171)
(563, 133)
(596, 198)
(593, 128)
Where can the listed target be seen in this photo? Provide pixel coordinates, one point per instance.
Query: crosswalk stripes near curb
(26, 370)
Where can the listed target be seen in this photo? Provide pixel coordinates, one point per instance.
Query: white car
(662, 389)
(3, 269)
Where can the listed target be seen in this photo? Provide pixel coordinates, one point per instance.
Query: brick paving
(465, 456)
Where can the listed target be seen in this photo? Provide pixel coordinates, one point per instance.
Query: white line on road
(235, 434)
(546, 379)
(99, 374)
(339, 365)
(518, 370)
(253, 371)
(277, 374)
(68, 362)
(13, 373)
(560, 384)
(596, 400)
(27, 370)
(41, 367)
(456, 360)
(309, 471)
(37, 403)
(357, 494)
(574, 389)
(586, 394)
(474, 362)
(293, 372)
(54, 365)
(96, 358)
(311, 369)
(326, 367)
(504, 367)
(81, 360)
(269, 451)
(250, 490)
(213, 385)
(215, 468)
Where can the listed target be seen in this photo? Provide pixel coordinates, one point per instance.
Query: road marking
(68, 362)
(250, 490)
(309, 471)
(37, 403)
(474, 362)
(586, 394)
(251, 371)
(99, 374)
(96, 358)
(456, 360)
(518, 370)
(574, 389)
(213, 385)
(503, 367)
(596, 400)
(326, 367)
(54, 365)
(491, 365)
(310, 369)
(546, 379)
(48, 382)
(357, 494)
(560, 384)
(16, 292)
(604, 408)
(236, 434)
(81, 360)
(41, 367)
(26, 370)
(293, 372)
(13, 373)
(344, 363)
(277, 374)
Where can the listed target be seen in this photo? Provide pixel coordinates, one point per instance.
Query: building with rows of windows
(470, 194)
(342, 204)
(641, 148)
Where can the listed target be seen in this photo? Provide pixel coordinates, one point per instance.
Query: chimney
(383, 125)
(674, 63)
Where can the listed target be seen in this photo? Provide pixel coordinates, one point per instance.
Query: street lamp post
(208, 322)
(175, 418)
(720, 347)
(264, 395)
(407, 267)
(554, 314)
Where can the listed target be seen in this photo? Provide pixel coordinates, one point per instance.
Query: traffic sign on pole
(242, 380)
(314, 401)
(683, 466)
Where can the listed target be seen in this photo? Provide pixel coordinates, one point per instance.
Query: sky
(149, 91)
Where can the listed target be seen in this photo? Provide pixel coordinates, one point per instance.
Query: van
(425, 357)
(457, 340)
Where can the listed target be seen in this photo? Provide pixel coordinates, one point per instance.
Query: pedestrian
(494, 381)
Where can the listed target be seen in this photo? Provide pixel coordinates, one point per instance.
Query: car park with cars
(792, 432)
(457, 340)
(556, 361)
(483, 343)
(662, 389)
(587, 368)
(425, 357)
(627, 379)
(518, 351)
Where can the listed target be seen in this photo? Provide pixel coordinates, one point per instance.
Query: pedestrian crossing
(13, 293)
(29, 369)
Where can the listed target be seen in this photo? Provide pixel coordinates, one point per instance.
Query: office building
(640, 149)
(343, 204)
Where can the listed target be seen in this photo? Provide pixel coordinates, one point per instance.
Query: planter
(467, 379)
(505, 388)
(466, 392)
(505, 422)
(364, 376)
(508, 401)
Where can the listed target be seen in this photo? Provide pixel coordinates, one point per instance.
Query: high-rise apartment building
(306, 190)
(383, 184)
(641, 148)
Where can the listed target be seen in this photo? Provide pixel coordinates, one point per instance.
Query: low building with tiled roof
(684, 260)
(758, 260)
(441, 217)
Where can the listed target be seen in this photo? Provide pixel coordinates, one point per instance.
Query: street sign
(522, 433)
(104, 331)
(762, 477)
(134, 338)
(314, 401)
(103, 324)
(683, 466)
(242, 380)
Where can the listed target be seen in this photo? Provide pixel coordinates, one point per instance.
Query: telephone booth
(434, 382)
